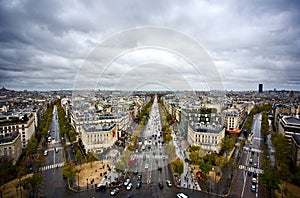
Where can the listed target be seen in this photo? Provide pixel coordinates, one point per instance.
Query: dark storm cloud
(43, 43)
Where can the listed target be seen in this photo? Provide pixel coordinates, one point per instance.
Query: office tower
(260, 88)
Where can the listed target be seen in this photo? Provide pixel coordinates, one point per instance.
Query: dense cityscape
(107, 143)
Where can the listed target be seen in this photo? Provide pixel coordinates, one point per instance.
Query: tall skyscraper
(260, 88)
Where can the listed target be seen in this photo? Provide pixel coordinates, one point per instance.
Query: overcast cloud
(44, 43)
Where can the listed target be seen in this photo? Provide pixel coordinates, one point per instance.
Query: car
(138, 185)
(139, 177)
(254, 174)
(45, 153)
(250, 160)
(255, 165)
(146, 166)
(254, 181)
(56, 150)
(181, 195)
(249, 172)
(161, 185)
(136, 172)
(169, 183)
(114, 191)
(127, 181)
(129, 186)
(253, 188)
(101, 187)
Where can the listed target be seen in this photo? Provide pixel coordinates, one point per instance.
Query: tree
(31, 146)
(170, 151)
(130, 147)
(195, 157)
(68, 170)
(194, 148)
(133, 139)
(220, 161)
(168, 138)
(72, 135)
(78, 156)
(32, 183)
(228, 143)
(269, 180)
(205, 168)
(91, 158)
(178, 166)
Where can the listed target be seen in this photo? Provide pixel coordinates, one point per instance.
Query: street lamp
(78, 180)
(87, 185)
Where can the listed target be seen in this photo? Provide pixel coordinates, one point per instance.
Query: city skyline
(44, 44)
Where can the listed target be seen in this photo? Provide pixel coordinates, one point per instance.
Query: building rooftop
(292, 120)
(97, 128)
(207, 128)
(296, 137)
(231, 112)
(9, 137)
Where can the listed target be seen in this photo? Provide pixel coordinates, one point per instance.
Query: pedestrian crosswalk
(253, 149)
(252, 169)
(44, 168)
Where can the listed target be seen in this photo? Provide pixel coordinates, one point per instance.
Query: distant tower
(260, 88)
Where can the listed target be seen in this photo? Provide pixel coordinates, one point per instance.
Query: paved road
(250, 162)
(53, 183)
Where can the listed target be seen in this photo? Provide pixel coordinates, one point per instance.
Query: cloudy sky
(53, 45)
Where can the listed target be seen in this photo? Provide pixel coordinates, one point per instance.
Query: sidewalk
(187, 179)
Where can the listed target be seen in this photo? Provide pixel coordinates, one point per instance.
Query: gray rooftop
(97, 128)
(292, 120)
(207, 128)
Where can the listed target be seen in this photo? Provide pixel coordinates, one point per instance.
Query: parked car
(139, 177)
(129, 186)
(249, 172)
(161, 185)
(146, 166)
(138, 185)
(45, 153)
(253, 188)
(254, 180)
(169, 183)
(254, 174)
(127, 181)
(101, 187)
(250, 160)
(181, 195)
(114, 191)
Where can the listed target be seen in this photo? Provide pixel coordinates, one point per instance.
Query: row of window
(10, 129)
(198, 115)
(97, 135)
(202, 136)
(206, 141)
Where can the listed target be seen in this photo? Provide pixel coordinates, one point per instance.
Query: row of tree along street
(30, 160)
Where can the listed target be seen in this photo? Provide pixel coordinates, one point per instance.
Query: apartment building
(11, 146)
(289, 125)
(97, 138)
(26, 128)
(208, 137)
